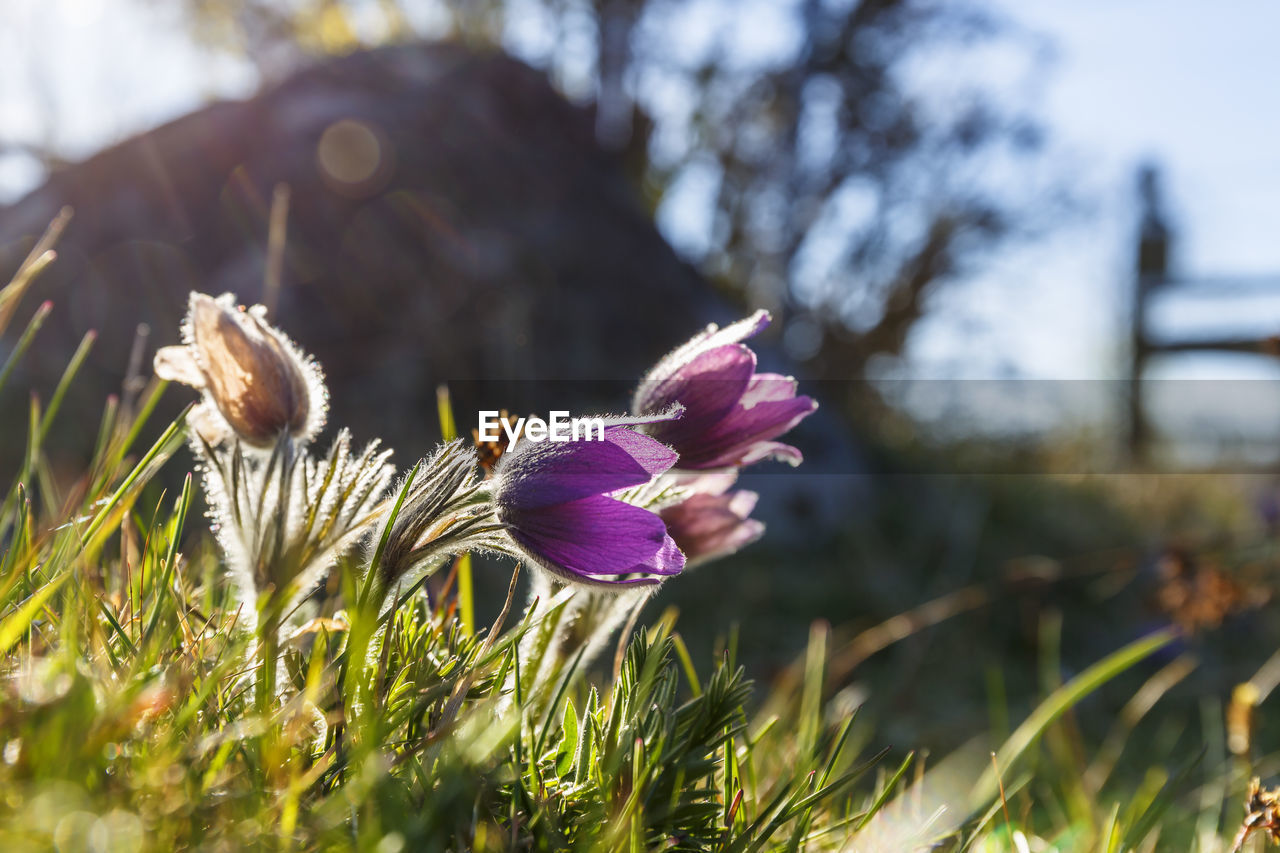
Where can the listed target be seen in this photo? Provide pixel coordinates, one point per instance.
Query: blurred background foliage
(822, 183)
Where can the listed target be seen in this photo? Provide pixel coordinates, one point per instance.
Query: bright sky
(1189, 83)
(77, 75)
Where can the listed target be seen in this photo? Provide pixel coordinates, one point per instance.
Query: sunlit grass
(135, 714)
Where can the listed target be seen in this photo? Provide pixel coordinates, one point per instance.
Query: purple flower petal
(709, 526)
(731, 413)
(707, 387)
(734, 440)
(554, 499)
(775, 450)
(596, 536)
(768, 386)
(538, 474)
(709, 338)
(652, 455)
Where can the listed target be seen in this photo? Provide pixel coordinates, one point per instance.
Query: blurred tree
(821, 181)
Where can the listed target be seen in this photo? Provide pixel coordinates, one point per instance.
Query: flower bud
(251, 373)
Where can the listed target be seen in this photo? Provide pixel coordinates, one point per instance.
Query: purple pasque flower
(731, 413)
(712, 521)
(558, 503)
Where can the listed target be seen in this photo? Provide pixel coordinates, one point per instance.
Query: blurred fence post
(1152, 280)
(1151, 272)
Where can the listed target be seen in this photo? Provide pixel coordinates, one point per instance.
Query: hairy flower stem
(266, 693)
(268, 651)
(579, 631)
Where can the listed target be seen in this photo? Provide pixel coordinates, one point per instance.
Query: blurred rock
(451, 220)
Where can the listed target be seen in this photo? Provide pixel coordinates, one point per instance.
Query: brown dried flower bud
(257, 380)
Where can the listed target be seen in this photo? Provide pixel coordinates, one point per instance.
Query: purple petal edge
(709, 338)
(708, 386)
(731, 442)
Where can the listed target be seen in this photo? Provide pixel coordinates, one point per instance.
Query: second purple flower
(731, 413)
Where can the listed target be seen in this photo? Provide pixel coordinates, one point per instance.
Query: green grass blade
(24, 341)
(466, 584)
(1061, 701)
(14, 626)
(163, 446)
